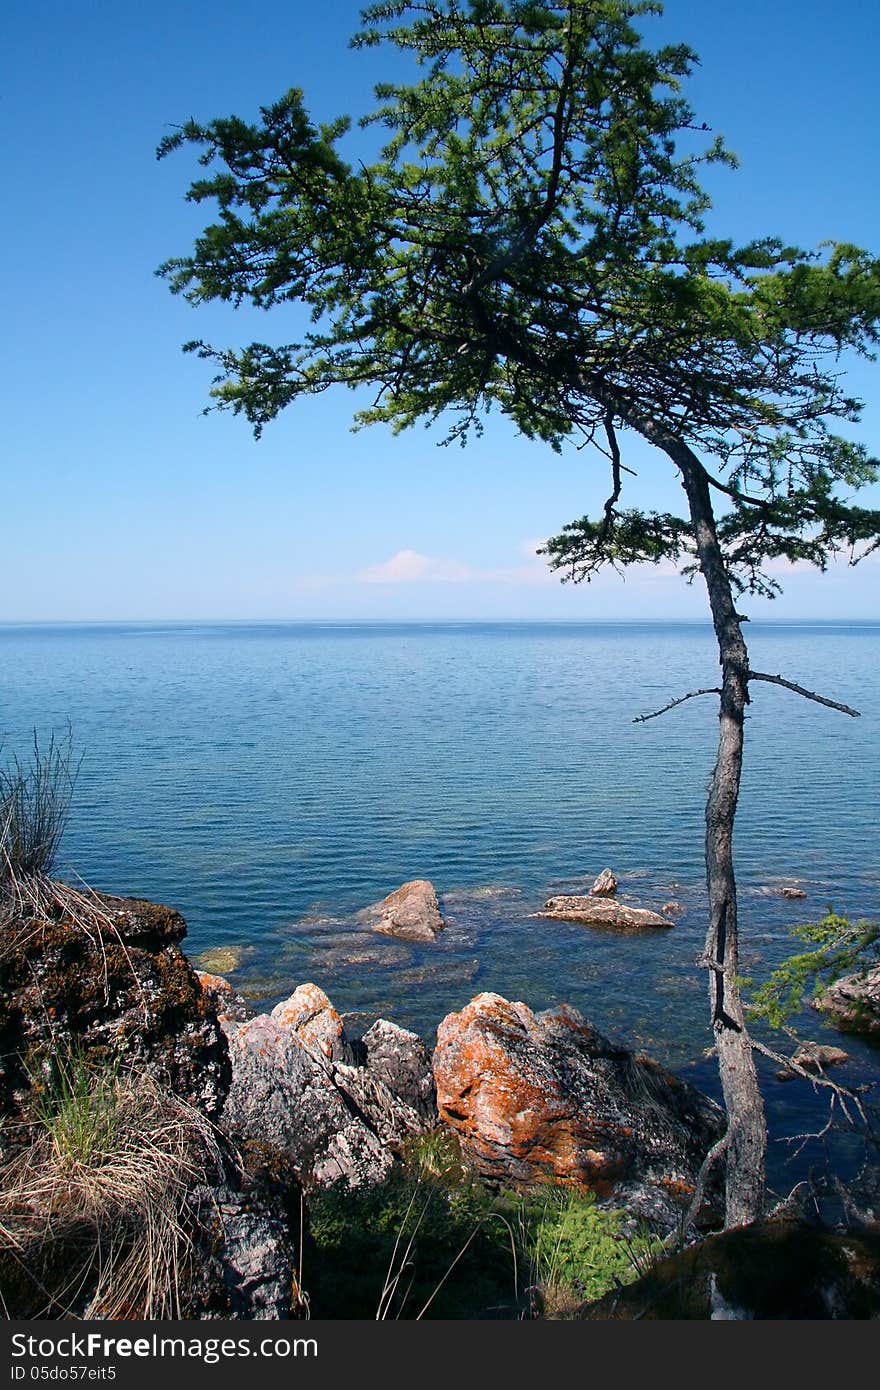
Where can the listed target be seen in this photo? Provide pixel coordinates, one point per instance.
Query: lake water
(268, 780)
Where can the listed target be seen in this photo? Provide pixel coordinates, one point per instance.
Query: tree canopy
(531, 238)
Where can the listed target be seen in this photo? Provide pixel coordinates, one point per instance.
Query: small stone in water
(605, 885)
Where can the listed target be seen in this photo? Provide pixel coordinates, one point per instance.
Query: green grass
(79, 1111)
(35, 797)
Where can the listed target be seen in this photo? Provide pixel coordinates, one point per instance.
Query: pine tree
(530, 237)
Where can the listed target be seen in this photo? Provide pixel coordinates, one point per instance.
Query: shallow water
(269, 780)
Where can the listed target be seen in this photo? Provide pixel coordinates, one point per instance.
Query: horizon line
(840, 621)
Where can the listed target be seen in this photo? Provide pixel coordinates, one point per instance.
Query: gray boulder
(283, 1097)
(605, 885)
(853, 1003)
(331, 1120)
(248, 1252)
(400, 1059)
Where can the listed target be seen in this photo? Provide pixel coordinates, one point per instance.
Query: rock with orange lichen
(545, 1097)
(310, 1015)
(225, 998)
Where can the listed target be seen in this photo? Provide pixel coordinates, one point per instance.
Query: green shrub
(579, 1251)
(433, 1241)
(429, 1241)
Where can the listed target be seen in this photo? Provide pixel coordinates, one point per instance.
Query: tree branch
(614, 447)
(717, 1151)
(691, 695)
(807, 694)
(843, 1093)
(734, 492)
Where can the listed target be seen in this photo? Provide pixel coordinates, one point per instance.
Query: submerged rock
(358, 950)
(599, 912)
(794, 893)
(538, 1098)
(219, 960)
(330, 1119)
(605, 885)
(484, 892)
(853, 1003)
(411, 912)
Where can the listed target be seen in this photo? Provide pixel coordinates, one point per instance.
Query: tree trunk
(746, 1141)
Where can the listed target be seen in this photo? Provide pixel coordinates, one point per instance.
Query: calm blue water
(269, 780)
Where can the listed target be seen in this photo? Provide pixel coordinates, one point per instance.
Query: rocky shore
(302, 1100)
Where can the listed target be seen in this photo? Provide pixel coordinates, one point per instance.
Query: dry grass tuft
(35, 799)
(94, 1219)
(93, 1213)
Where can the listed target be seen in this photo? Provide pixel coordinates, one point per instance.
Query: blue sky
(121, 501)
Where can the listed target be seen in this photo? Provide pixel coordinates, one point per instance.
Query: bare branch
(717, 1151)
(691, 695)
(842, 1093)
(802, 1140)
(807, 694)
(614, 448)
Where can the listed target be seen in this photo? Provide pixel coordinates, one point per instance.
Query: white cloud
(409, 567)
